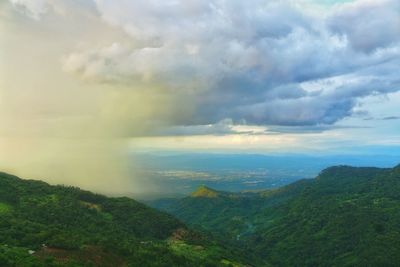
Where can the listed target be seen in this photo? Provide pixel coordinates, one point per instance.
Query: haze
(84, 84)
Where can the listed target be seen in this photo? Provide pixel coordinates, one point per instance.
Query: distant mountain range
(177, 174)
(346, 216)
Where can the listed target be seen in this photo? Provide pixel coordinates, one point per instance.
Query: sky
(84, 83)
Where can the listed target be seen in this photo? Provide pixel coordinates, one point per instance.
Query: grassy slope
(80, 228)
(345, 217)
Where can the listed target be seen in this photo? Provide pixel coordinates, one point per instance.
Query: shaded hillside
(346, 216)
(43, 225)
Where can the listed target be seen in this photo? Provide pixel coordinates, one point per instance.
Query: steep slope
(43, 225)
(345, 217)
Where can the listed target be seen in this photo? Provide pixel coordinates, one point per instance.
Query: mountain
(44, 225)
(346, 216)
(204, 191)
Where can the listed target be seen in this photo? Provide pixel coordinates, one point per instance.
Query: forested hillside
(43, 225)
(346, 216)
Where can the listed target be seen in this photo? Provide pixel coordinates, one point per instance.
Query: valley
(346, 216)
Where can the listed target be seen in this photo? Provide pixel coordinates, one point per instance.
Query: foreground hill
(346, 216)
(44, 225)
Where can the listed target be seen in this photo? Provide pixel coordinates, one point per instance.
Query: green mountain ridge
(346, 216)
(44, 225)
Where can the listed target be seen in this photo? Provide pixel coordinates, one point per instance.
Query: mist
(66, 131)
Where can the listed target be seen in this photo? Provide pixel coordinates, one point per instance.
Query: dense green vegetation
(43, 225)
(346, 216)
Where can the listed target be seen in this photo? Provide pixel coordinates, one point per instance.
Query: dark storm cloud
(252, 62)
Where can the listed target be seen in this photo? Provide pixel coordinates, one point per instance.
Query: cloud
(368, 25)
(391, 118)
(32, 8)
(221, 128)
(224, 127)
(312, 129)
(253, 62)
